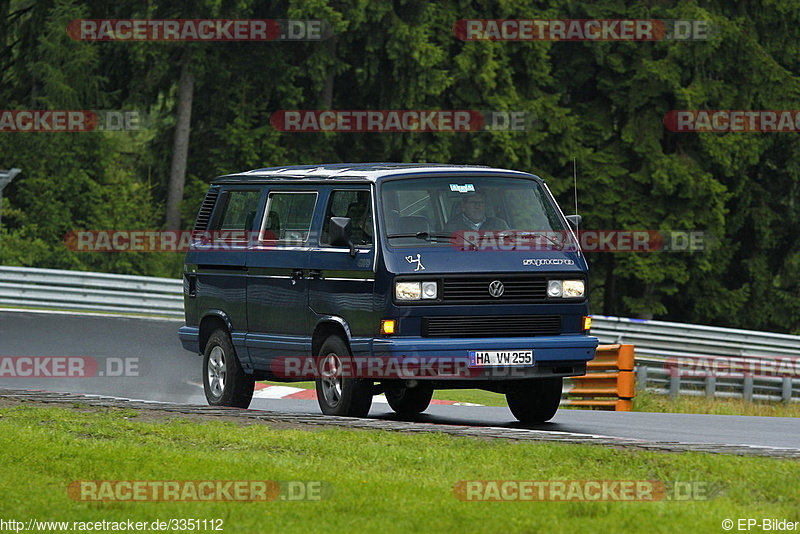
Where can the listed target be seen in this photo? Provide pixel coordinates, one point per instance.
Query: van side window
(238, 215)
(287, 218)
(355, 204)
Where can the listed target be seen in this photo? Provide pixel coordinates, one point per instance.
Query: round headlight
(554, 288)
(429, 290)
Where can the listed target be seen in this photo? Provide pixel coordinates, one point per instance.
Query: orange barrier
(609, 382)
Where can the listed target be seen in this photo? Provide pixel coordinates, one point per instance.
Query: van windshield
(453, 210)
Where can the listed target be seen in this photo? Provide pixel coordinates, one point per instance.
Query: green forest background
(601, 103)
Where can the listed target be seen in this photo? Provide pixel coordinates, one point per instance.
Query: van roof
(359, 171)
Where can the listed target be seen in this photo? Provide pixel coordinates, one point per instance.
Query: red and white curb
(265, 391)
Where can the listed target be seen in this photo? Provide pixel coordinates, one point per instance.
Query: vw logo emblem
(496, 288)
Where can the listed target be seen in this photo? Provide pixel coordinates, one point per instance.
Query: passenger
(361, 223)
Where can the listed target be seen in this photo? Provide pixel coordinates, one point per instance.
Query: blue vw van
(387, 278)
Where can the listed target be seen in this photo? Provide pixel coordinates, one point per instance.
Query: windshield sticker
(417, 260)
(538, 262)
(466, 188)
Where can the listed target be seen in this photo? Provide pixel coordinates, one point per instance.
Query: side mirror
(341, 231)
(574, 221)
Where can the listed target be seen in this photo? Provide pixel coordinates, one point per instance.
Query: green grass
(475, 396)
(380, 481)
(646, 401)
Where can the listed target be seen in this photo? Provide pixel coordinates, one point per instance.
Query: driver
(473, 216)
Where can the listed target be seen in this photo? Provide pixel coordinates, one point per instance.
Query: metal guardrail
(77, 290)
(657, 343)
(662, 348)
(661, 340)
(655, 376)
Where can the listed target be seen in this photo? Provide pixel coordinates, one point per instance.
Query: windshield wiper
(560, 244)
(440, 237)
(425, 236)
(436, 237)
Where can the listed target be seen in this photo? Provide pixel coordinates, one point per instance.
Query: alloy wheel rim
(216, 371)
(331, 378)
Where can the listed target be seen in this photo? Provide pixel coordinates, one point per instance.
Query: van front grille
(491, 326)
(476, 289)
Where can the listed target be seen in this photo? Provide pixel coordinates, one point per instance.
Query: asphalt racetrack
(160, 370)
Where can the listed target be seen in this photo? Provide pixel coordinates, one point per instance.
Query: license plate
(478, 358)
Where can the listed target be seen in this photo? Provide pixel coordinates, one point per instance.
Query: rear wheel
(408, 401)
(338, 392)
(224, 380)
(537, 401)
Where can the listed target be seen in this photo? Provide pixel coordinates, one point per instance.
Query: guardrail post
(641, 377)
(786, 390)
(674, 385)
(711, 385)
(747, 388)
(613, 386)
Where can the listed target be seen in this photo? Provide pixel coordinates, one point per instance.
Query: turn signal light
(388, 326)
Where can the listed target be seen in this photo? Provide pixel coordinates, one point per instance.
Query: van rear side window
(287, 219)
(237, 215)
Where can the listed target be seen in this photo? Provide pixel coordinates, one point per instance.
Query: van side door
(342, 286)
(277, 277)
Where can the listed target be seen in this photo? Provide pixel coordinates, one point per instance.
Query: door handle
(297, 274)
(315, 274)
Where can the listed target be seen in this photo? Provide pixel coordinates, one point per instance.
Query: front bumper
(448, 359)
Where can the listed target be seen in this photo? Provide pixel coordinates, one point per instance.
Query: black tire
(537, 401)
(409, 401)
(224, 380)
(346, 396)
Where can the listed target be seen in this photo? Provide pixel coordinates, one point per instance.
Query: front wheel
(409, 401)
(537, 401)
(338, 391)
(224, 380)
